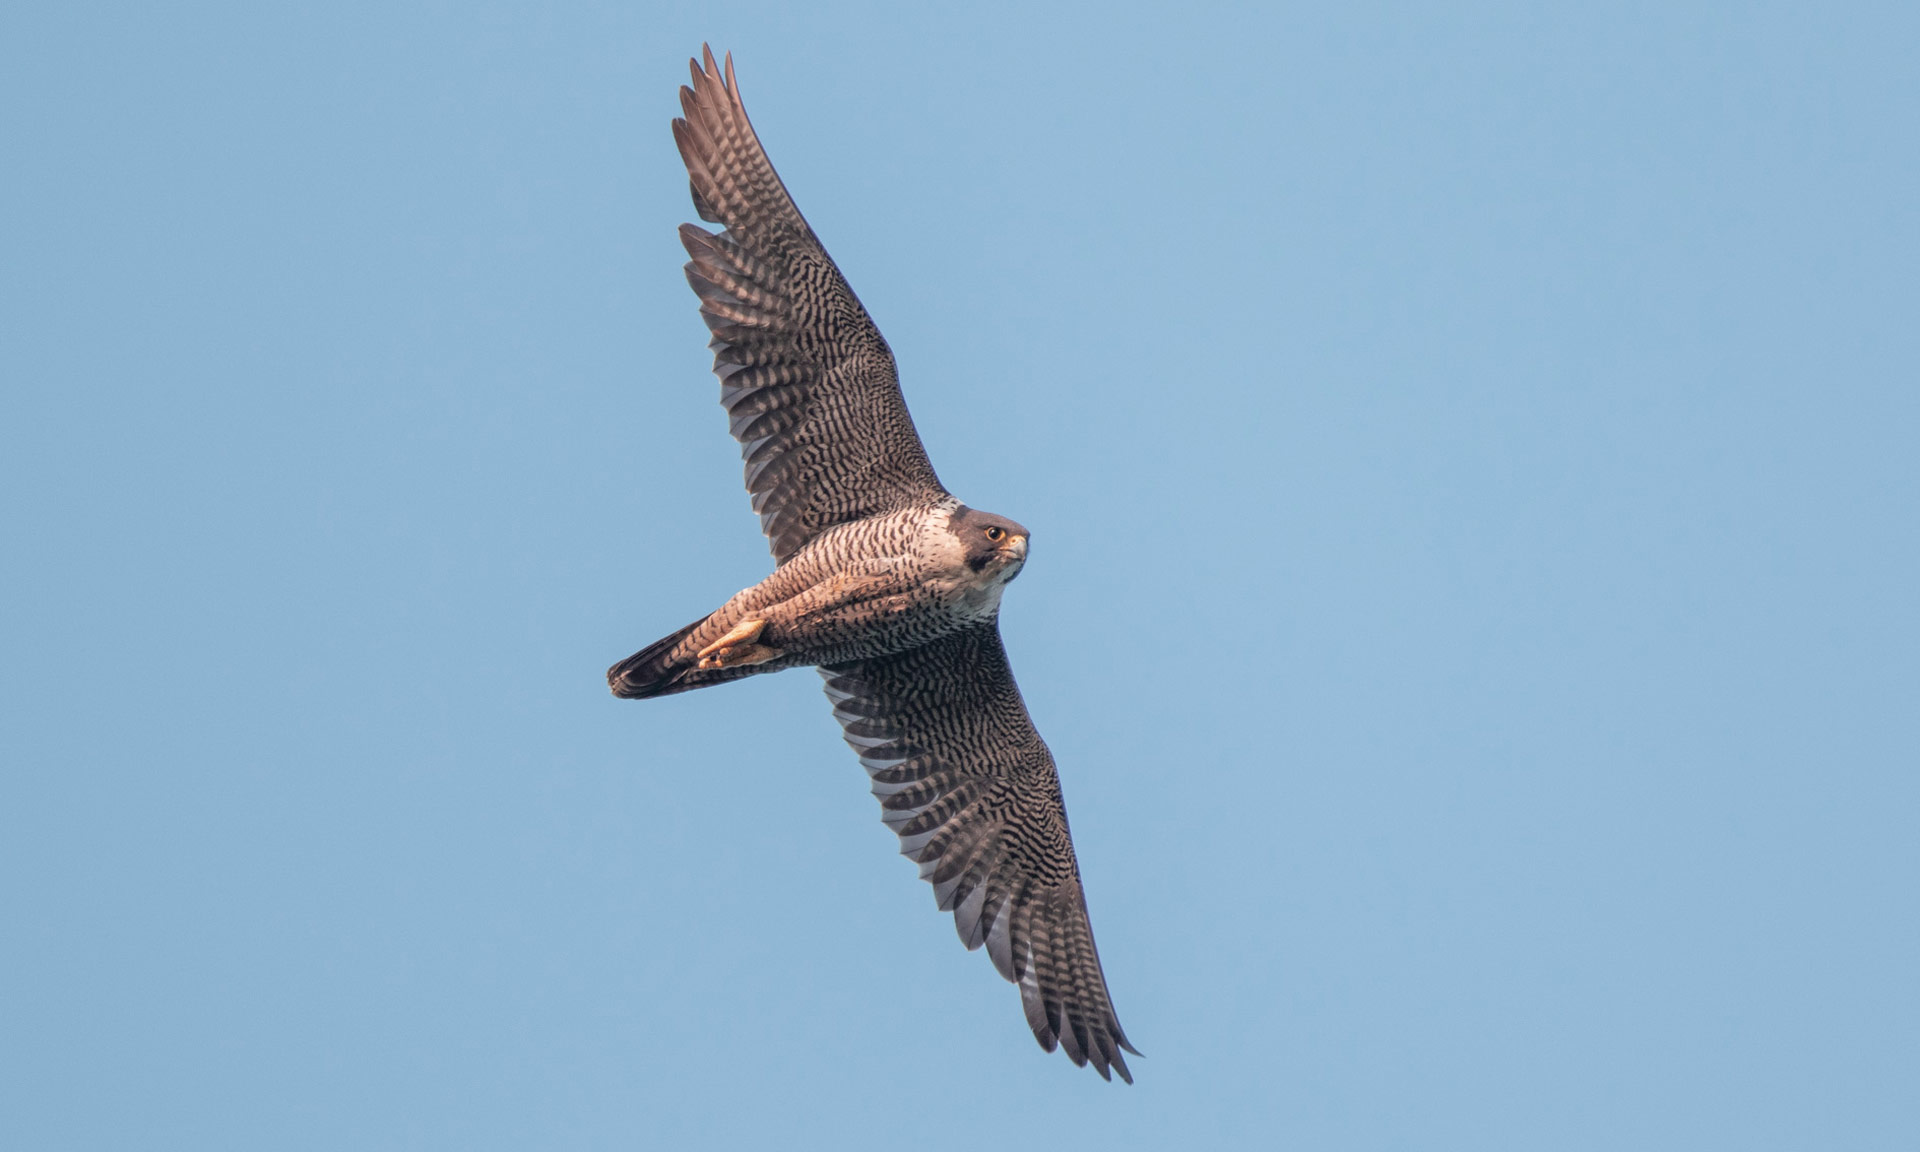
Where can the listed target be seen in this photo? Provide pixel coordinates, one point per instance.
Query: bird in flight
(883, 581)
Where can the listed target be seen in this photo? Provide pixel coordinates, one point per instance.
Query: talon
(745, 632)
(737, 647)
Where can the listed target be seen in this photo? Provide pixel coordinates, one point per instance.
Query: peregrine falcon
(883, 581)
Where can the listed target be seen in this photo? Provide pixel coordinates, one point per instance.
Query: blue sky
(1470, 451)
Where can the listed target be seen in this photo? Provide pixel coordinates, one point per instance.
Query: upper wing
(971, 789)
(808, 382)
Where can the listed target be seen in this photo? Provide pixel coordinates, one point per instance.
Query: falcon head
(995, 546)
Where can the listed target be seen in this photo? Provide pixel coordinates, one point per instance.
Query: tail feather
(653, 671)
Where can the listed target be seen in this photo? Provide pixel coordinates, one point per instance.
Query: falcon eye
(996, 534)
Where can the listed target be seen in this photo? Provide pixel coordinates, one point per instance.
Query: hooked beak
(1014, 548)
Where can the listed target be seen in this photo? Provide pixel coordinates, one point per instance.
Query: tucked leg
(738, 647)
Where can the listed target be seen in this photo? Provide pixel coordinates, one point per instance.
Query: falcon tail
(653, 671)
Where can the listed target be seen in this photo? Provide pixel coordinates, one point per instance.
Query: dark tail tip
(652, 671)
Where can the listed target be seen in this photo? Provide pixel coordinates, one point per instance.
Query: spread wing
(967, 783)
(807, 380)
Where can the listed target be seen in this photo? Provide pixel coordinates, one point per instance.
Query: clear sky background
(1471, 456)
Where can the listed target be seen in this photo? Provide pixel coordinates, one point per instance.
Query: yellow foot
(737, 647)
